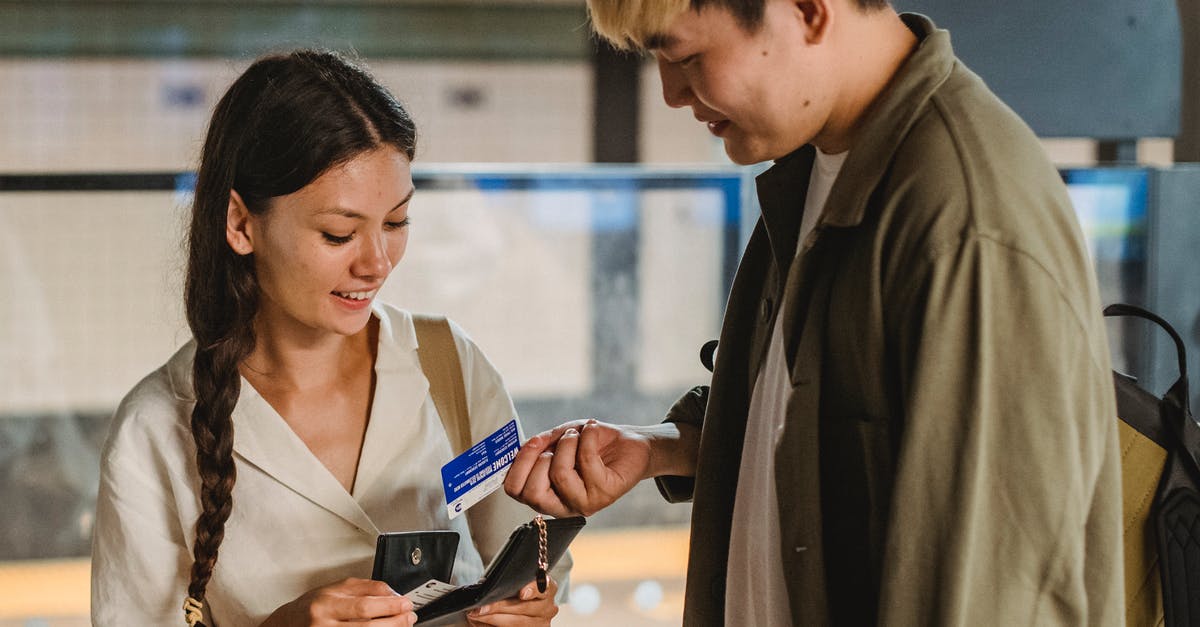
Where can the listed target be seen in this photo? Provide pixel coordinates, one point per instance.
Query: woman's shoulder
(157, 406)
(397, 326)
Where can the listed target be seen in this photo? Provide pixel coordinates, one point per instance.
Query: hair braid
(221, 306)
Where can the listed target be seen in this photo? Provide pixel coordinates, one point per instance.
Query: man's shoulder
(968, 163)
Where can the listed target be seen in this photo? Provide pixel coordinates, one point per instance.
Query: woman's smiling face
(322, 253)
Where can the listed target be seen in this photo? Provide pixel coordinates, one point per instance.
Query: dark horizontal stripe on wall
(93, 182)
(185, 181)
(426, 29)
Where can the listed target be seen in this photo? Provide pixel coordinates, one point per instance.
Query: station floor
(629, 577)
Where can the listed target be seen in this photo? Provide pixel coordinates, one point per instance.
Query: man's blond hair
(630, 24)
(635, 24)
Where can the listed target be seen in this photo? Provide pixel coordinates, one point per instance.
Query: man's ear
(817, 16)
(238, 225)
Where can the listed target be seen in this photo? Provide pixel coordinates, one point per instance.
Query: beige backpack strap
(439, 361)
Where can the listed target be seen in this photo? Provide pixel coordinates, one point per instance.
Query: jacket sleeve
(493, 519)
(689, 409)
(1006, 507)
(140, 560)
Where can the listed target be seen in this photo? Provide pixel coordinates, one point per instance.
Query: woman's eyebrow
(350, 213)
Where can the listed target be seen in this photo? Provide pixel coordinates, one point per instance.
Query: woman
(297, 425)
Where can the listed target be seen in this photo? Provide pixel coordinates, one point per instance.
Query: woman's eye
(337, 240)
(392, 226)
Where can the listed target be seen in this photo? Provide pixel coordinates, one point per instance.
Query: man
(911, 418)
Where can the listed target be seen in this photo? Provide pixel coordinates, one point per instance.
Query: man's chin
(746, 153)
(743, 155)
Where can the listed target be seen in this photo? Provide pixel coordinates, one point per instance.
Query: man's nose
(676, 91)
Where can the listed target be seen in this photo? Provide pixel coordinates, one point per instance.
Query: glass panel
(590, 289)
(1111, 204)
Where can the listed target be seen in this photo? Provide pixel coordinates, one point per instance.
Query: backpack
(1160, 478)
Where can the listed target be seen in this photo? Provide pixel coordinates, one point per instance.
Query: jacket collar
(888, 120)
(781, 192)
(263, 439)
(885, 123)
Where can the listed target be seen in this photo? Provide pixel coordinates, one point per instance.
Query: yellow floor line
(61, 587)
(44, 588)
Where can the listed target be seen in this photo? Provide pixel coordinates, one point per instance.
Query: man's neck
(874, 45)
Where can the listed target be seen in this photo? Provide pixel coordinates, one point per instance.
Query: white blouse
(293, 526)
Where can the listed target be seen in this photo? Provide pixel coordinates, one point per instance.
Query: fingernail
(571, 432)
(526, 593)
(480, 611)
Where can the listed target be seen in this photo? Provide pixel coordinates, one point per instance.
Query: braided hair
(287, 119)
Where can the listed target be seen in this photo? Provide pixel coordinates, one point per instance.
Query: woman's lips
(354, 300)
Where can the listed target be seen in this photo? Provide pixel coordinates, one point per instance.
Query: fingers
(362, 600)
(365, 587)
(529, 606)
(518, 473)
(527, 456)
(564, 479)
(540, 494)
(587, 457)
(530, 483)
(364, 608)
(406, 620)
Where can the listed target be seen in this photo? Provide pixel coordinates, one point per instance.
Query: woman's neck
(308, 360)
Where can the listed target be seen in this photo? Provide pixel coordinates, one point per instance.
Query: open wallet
(408, 559)
(524, 558)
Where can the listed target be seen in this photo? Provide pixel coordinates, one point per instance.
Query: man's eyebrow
(658, 41)
(350, 213)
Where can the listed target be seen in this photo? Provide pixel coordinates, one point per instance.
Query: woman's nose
(373, 261)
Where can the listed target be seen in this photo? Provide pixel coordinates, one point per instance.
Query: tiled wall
(133, 115)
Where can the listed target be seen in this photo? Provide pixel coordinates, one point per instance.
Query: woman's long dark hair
(282, 123)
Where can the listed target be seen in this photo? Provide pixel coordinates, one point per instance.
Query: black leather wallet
(514, 566)
(408, 559)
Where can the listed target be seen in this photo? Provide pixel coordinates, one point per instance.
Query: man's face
(765, 93)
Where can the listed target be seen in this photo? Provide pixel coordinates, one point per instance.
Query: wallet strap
(439, 361)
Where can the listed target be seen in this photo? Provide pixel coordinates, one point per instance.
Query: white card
(428, 592)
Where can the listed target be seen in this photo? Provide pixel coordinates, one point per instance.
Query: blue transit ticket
(470, 477)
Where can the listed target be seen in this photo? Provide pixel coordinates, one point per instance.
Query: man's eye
(337, 239)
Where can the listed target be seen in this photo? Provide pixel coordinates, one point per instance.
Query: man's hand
(584, 466)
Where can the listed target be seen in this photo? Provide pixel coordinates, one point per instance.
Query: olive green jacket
(950, 449)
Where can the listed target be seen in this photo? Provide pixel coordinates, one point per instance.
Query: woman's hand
(347, 602)
(529, 607)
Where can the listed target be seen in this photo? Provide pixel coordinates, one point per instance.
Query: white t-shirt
(755, 593)
(293, 526)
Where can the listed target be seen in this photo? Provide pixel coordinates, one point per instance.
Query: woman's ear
(238, 226)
